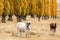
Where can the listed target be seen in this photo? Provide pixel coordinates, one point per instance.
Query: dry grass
(40, 30)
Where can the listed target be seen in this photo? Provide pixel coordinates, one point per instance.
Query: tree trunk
(38, 19)
(32, 15)
(48, 17)
(52, 17)
(24, 17)
(55, 17)
(19, 19)
(3, 18)
(45, 17)
(10, 18)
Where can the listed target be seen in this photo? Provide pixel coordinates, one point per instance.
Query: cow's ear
(28, 23)
(55, 23)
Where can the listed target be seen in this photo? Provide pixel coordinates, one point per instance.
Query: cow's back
(21, 25)
(52, 25)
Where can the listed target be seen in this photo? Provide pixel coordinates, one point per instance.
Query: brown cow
(53, 27)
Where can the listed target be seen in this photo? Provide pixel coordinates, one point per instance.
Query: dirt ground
(40, 30)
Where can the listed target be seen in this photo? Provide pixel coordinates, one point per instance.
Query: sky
(58, 1)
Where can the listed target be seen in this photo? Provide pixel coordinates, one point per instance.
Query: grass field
(40, 30)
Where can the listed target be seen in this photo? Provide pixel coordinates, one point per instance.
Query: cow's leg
(51, 30)
(55, 30)
(17, 32)
(20, 32)
(27, 33)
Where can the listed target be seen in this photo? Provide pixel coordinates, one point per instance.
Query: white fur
(22, 26)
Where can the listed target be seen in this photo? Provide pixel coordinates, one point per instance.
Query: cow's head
(28, 24)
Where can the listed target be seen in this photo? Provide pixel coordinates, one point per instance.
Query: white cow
(23, 27)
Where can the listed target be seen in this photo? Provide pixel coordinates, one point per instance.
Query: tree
(6, 10)
(25, 9)
(18, 9)
(34, 4)
(11, 10)
(1, 7)
(39, 9)
(46, 9)
(53, 8)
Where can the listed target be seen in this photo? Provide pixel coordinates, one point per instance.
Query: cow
(23, 27)
(53, 27)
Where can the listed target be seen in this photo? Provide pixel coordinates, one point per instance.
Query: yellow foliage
(1, 8)
(53, 7)
(42, 1)
(49, 7)
(46, 7)
(6, 8)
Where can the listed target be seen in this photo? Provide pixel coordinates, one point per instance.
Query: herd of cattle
(26, 27)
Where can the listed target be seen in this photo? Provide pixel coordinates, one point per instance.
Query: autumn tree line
(22, 8)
